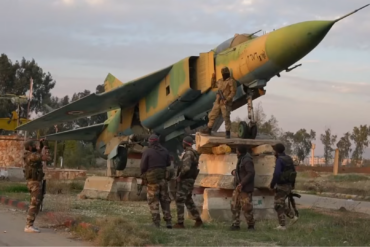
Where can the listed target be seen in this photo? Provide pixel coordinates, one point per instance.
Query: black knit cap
(153, 138)
(279, 148)
(188, 140)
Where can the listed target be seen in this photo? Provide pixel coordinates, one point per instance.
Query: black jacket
(244, 173)
(155, 156)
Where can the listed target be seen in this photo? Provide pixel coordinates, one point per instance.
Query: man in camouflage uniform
(284, 179)
(244, 187)
(34, 175)
(227, 87)
(187, 172)
(154, 161)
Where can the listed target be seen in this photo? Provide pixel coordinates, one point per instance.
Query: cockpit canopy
(234, 41)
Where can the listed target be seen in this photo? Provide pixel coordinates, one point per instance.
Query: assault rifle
(43, 192)
(221, 95)
(44, 149)
(291, 202)
(237, 192)
(140, 186)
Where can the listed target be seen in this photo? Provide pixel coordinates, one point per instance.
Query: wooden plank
(204, 141)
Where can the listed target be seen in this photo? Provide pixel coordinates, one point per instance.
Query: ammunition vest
(33, 171)
(237, 179)
(193, 172)
(288, 174)
(155, 175)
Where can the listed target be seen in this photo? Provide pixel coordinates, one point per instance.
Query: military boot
(198, 223)
(234, 228)
(227, 134)
(179, 226)
(169, 225)
(206, 131)
(282, 228)
(31, 229)
(251, 228)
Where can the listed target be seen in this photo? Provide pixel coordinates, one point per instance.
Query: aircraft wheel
(120, 161)
(253, 131)
(243, 130)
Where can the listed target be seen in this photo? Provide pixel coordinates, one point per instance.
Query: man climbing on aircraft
(224, 98)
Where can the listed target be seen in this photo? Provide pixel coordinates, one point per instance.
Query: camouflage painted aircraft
(178, 98)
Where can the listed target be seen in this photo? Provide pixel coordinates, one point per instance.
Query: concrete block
(216, 204)
(114, 189)
(12, 174)
(215, 170)
(16, 174)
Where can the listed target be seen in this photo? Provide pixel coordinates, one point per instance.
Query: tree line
(15, 79)
(299, 143)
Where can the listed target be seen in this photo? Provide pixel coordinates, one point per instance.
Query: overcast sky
(80, 41)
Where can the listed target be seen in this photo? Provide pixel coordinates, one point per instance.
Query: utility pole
(28, 106)
(55, 147)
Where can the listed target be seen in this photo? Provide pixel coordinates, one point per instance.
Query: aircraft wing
(93, 104)
(88, 133)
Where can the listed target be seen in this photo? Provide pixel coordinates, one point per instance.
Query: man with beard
(154, 161)
(226, 92)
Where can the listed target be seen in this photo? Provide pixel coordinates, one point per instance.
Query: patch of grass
(64, 187)
(24, 197)
(14, 190)
(129, 223)
(348, 178)
(354, 184)
(123, 232)
(13, 187)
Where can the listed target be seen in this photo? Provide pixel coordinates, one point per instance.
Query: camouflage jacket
(189, 165)
(33, 158)
(227, 87)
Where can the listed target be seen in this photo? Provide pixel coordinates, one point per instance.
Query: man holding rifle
(226, 92)
(33, 172)
(187, 172)
(284, 180)
(244, 187)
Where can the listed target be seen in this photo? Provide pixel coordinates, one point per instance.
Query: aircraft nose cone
(289, 44)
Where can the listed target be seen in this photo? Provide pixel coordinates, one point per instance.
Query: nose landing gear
(120, 161)
(248, 130)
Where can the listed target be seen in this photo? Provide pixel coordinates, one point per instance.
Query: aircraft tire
(253, 132)
(120, 161)
(243, 130)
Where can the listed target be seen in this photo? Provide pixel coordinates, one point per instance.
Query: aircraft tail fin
(110, 83)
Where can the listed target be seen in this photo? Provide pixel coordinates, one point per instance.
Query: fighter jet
(178, 98)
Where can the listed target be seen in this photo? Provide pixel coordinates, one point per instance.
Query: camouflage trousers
(158, 193)
(34, 187)
(242, 201)
(184, 191)
(282, 192)
(218, 108)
